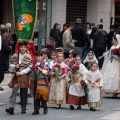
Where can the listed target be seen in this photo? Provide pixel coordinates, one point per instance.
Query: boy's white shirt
(43, 71)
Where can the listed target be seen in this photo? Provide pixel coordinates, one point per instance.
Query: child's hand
(99, 57)
(59, 77)
(18, 73)
(93, 85)
(17, 66)
(112, 57)
(39, 69)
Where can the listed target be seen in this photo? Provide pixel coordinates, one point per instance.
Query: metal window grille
(76, 9)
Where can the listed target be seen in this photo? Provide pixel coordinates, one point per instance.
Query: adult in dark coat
(79, 35)
(99, 44)
(110, 36)
(4, 53)
(56, 35)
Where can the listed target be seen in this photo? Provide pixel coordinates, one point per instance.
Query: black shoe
(115, 95)
(72, 107)
(58, 106)
(93, 109)
(10, 111)
(1, 89)
(35, 113)
(19, 103)
(78, 107)
(45, 111)
(23, 111)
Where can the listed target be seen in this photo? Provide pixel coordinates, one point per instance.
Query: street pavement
(109, 111)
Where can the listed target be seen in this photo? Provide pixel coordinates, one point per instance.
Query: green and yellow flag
(24, 15)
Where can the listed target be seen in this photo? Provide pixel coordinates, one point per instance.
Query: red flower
(74, 68)
(34, 67)
(97, 81)
(82, 82)
(115, 51)
(34, 61)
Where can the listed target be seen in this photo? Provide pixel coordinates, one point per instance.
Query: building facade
(50, 12)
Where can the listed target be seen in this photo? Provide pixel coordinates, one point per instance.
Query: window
(76, 9)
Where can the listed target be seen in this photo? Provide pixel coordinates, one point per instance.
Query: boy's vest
(21, 81)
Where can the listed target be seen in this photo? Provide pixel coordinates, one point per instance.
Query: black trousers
(66, 53)
(99, 52)
(37, 103)
(23, 97)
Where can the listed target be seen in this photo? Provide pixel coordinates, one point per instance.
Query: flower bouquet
(57, 70)
(115, 51)
(36, 71)
(76, 73)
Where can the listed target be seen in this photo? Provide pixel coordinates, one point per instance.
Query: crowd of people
(66, 70)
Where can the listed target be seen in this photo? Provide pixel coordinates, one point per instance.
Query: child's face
(60, 58)
(94, 67)
(23, 49)
(39, 58)
(70, 55)
(78, 60)
(45, 56)
(90, 56)
(48, 42)
(53, 56)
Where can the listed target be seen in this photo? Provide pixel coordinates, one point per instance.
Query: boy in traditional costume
(77, 95)
(58, 87)
(20, 62)
(46, 55)
(95, 82)
(40, 72)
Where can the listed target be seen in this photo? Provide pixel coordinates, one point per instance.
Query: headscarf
(93, 60)
(118, 38)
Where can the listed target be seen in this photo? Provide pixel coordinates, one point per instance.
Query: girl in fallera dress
(111, 76)
(89, 59)
(94, 81)
(77, 95)
(58, 85)
(71, 60)
(53, 57)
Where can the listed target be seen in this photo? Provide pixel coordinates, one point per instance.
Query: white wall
(92, 11)
(99, 9)
(58, 12)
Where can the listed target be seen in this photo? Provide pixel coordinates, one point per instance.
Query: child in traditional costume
(77, 95)
(53, 57)
(58, 87)
(95, 82)
(71, 60)
(40, 72)
(90, 59)
(111, 77)
(46, 54)
(20, 63)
